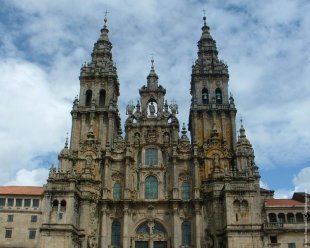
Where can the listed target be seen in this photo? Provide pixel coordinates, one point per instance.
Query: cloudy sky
(266, 46)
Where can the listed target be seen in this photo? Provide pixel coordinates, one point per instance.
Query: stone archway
(151, 234)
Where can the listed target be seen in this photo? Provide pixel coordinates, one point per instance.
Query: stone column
(84, 219)
(127, 176)
(74, 134)
(126, 238)
(233, 127)
(176, 228)
(196, 179)
(110, 130)
(104, 225)
(205, 126)
(101, 131)
(83, 128)
(197, 225)
(175, 190)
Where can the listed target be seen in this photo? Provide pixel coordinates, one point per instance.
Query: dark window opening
(19, 202)
(205, 96)
(102, 98)
(32, 234)
(116, 233)
(55, 204)
(34, 218)
(10, 202)
(88, 98)
(273, 239)
(272, 217)
(8, 233)
(27, 203)
(218, 96)
(186, 233)
(2, 202)
(63, 205)
(10, 217)
(35, 203)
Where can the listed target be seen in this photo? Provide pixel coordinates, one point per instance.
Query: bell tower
(96, 109)
(212, 111)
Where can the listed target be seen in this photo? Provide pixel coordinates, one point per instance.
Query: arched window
(205, 96)
(101, 98)
(186, 233)
(151, 188)
(116, 233)
(117, 191)
(63, 205)
(151, 156)
(185, 190)
(281, 217)
(88, 98)
(55, 204)
(290, 218)
(299, 218)
(272, 217)
(218, 96)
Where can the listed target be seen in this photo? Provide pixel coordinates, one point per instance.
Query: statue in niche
(152, 109)
(89, 161)
(137, 139)
(166, 138)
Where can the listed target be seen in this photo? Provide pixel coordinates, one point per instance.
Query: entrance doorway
(151, 234)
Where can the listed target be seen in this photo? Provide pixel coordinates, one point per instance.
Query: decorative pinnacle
(105, 19)
(204, 17)
(152, 61)
(66, 143)
(184, 129)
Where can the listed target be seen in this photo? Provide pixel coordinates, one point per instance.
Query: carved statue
(152, 109)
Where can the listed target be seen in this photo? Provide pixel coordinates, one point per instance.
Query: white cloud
(302, 180)
(35, 177)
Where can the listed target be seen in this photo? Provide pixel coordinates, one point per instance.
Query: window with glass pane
(35, 203)
(2, 202)
(10, 217)
(27, 203)
(143, 228)
(19, 202)
(116, 233)
(117, 191)
(10, 202)
(186, 233)
(151, 188)
(34, 218)
(151, 156)
(8, 233)
(185, 189)
(160, 244)
(291, 245)
(32, 234)
(141, 244)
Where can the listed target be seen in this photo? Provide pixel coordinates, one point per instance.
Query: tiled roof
(21, 190)
(283, 202)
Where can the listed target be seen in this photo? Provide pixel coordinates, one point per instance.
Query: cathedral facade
(151, 187)
(156, 186)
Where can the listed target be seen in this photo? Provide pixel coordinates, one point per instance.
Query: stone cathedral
(155, 186)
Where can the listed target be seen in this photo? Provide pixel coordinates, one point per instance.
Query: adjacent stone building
(153, 187)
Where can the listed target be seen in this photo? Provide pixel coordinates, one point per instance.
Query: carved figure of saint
(152, 108)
